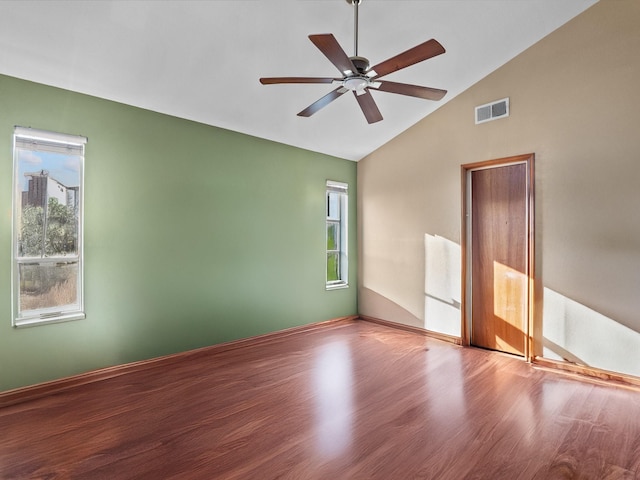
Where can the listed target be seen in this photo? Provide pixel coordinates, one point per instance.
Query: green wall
(194, 235)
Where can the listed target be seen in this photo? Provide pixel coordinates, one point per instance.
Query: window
(337, 264)
(47, 226)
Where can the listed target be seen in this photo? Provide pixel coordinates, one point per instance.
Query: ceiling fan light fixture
(356, 83)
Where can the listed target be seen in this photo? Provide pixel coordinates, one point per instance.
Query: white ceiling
(201, 60)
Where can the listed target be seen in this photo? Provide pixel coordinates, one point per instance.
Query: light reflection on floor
(450, 404)
(333, 379)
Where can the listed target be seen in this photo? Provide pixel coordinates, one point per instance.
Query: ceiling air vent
(492, 111)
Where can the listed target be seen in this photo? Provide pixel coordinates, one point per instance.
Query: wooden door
(499, 258)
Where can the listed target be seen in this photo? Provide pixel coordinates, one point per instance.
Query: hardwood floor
(352, 400)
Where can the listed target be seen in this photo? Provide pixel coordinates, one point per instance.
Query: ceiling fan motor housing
(361, 64)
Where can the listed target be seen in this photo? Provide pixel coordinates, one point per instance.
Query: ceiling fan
(360, 78)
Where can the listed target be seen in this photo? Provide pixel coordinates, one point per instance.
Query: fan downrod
(355, 4)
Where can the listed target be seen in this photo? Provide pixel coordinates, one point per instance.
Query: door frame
(533, 326)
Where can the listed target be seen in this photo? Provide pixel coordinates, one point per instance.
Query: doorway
(498, 252)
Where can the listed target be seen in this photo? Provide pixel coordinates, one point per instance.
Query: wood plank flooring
(352, 400)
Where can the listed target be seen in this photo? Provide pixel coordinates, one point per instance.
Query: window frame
(342, 190)
(52, 142)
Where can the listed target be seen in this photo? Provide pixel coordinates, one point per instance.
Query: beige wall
(575, 103)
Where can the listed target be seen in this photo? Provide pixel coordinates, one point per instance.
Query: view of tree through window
(47, 226)
(53, 231)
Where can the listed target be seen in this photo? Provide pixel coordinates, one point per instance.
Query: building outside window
(337, 260)
(47, 227)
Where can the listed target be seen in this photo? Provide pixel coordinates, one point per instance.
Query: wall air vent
(492, 111)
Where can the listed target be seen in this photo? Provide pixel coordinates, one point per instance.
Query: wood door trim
(534, 326)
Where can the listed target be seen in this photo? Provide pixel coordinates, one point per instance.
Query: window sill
(35, 321)
(337, 286)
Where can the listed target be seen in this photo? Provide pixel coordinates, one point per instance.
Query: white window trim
(343, 189)
(53, 141)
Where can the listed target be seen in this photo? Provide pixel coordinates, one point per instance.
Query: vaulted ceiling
(201, 60)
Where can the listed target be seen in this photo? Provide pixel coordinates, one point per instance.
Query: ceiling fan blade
(275, 80)
(328, 45)
(412, 90)
(368, 106)
(417, 54)
(323, 102)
